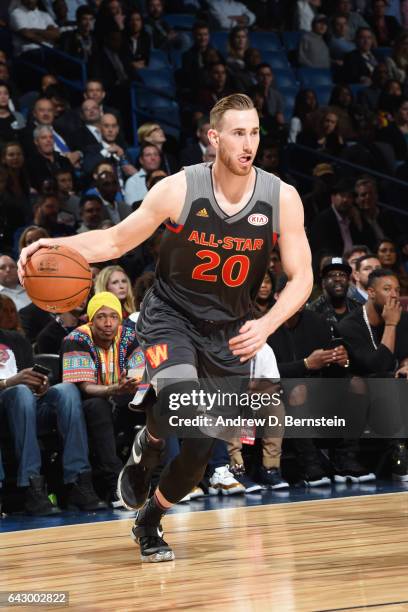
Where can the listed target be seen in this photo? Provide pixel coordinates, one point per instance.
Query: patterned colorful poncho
(83, 361)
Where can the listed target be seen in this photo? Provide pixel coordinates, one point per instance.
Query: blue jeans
(26, 414)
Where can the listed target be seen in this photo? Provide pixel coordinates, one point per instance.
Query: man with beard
(221, 224)
(334, 304)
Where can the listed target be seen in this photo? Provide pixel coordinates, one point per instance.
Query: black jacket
(364, 358)
(325, 234)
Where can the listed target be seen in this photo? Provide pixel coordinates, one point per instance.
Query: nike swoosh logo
(136, 456)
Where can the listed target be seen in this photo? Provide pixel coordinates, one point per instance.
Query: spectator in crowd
(218, 86)
(46, 215)
(18, 184)
(376, 334)
(162, 34)
(107, 63)
(192, 60)
(10, 121)
(337, 228)
(303, 349)
(340, 43)
(31, 27)
(9, 283)
(9, 318)
(265, 297)
(80, 42)
(325, 135)
(94, 90)
(376, 338)
(67, 196)
(193, 153)
(364, 266)
(152, 133)
(319, 198)
(334, 304)
(238, 43)
(351, 256)
(387, 253)
(44, 116)
(268, 125)
(50, 338)
(395, 134)
(397, 62)
(227, 14)
(108, 352)
(342, 103)
(305, 104)
(360, 64)
(140, 287)
(149, 160)
(313, 49)
(369, 96)
(274, 101)
(91, 213)
(305, 13)
(355, 21)
(136, 44)
(115, 280)
(389, 96)
(381, 222)
(384, 27)
(110, 16)
(11, 216)
(30, 235)
(61, 16)
(107, 188)
(111, 147)
(29, 403)
(158, 175)
(88, 132)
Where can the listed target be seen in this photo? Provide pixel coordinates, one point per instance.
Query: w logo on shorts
(157, 354)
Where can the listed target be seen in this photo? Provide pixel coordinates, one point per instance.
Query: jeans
(26, 414)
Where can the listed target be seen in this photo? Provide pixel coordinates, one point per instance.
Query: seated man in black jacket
(303, 349)
(334, 304)
(376, 336)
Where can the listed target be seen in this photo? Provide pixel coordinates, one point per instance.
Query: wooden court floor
(337, 554)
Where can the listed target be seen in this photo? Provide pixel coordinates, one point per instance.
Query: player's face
(237, 140)
(118, 285)
(105, 325)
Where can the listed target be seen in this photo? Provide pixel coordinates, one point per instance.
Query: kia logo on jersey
(257, 219)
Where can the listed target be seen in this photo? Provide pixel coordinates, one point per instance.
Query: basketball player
(222, 220)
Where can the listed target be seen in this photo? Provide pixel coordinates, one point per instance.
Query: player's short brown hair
(235, 101)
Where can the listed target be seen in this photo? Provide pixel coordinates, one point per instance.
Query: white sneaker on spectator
(222, 482)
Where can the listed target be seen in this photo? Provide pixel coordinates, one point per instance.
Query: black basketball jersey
(211, 265)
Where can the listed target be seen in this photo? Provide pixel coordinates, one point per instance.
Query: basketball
(57, 279)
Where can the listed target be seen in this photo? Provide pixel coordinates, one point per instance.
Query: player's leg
(146, 454)
(177, 479)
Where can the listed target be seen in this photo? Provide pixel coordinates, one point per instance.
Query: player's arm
(163, 201)
(297, 264)
(295, 257)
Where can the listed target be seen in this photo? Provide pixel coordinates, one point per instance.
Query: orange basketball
(57, 278)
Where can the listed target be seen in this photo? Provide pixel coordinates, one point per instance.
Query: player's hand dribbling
(27, 252)
(252, 336)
